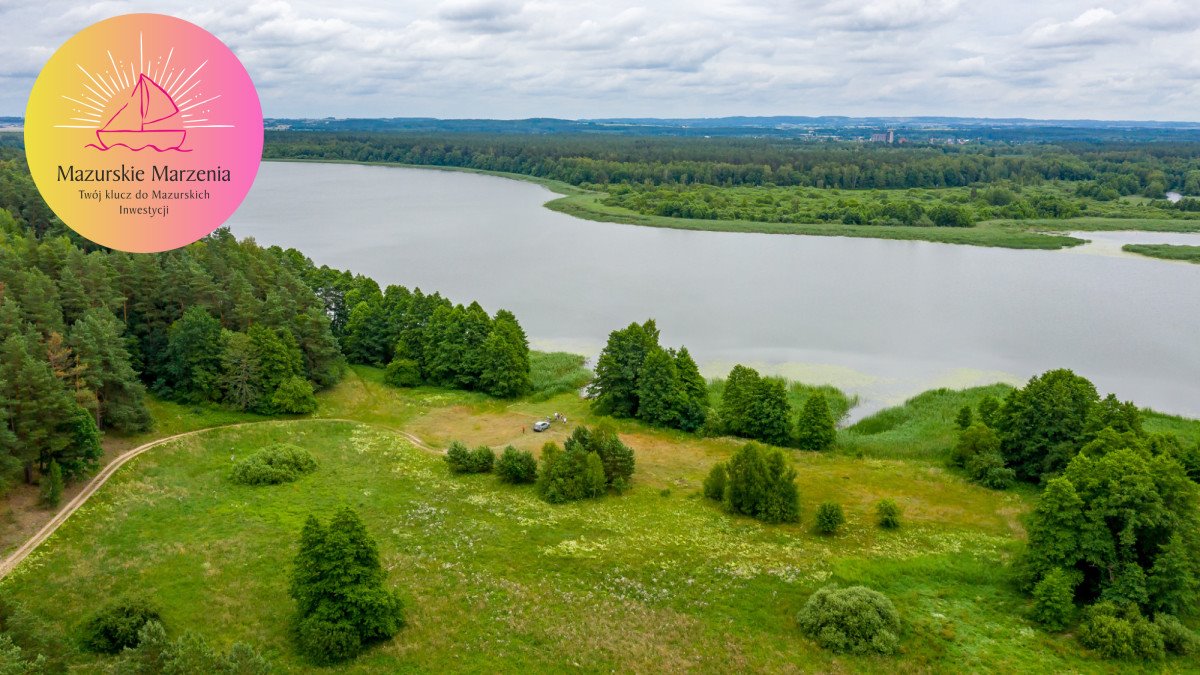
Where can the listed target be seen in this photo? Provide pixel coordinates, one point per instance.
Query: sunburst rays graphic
(147, 103)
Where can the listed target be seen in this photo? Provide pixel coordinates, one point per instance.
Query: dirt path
(10, 563)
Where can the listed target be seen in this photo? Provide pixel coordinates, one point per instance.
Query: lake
(884, 319)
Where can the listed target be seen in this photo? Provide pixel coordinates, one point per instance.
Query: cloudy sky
(1098, 59)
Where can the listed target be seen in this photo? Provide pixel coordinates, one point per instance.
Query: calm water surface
(885, 319)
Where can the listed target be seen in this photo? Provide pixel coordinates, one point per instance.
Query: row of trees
(591, 159)
(757, 407)
(637, 377)
(424, 339)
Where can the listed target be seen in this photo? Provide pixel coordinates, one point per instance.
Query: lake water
(884, 319)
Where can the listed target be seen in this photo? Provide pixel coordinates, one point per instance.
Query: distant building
(889, 137)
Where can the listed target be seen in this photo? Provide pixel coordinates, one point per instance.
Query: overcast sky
(1098, 59)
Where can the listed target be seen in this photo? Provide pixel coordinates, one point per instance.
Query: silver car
(541, 425)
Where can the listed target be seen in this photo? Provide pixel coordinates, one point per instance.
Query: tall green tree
(615, 387)
(100, 349)
(769, 417)
(741, 388)
(241, 372)
(815, 429)
(505, 364)
(192, 360)
(1042, 425)
(338, 583)
(661, 397)
(695, 390)
(39, 407)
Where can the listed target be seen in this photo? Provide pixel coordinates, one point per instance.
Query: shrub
(760, 483)
(274, 464)
(1121, 634)
(816, 428)
(116, 627)
(516, 466)
(1054, 599)
(887, 514)
(337, 582)
(989, 471)
(402, 373)
(856, 619)
(714, 483)
(965, 417)
(189, 653)
(461, 459)
(1177, 639)
(294, 397)
(829, 517)
(570, 474)
(617, 458)
(52, 486)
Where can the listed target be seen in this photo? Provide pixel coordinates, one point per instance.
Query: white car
(541, 425)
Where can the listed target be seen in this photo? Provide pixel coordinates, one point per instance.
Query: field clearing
(656, 579)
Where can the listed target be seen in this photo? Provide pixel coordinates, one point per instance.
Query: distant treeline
(590, 159)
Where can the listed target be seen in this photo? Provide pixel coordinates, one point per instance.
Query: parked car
(541, 425)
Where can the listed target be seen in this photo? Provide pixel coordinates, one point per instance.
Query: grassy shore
(1018, 234)
(1166, 251)
(657, 579)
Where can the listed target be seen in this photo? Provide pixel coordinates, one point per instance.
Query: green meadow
(657, 579)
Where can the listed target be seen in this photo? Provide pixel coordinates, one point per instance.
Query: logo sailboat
(150, 119)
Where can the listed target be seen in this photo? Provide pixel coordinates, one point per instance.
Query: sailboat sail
(149, 119)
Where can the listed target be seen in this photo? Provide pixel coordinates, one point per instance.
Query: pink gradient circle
(144, 132)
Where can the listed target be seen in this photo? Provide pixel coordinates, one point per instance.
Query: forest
(88, 332)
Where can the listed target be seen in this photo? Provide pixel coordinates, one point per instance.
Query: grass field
(1166, 251)
(657, 579)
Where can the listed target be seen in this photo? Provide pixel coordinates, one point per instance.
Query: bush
(516, 466)
(189, 653)
(463, 460)
(759, 483)
(714, 483)
(1054, 599)
(829, 517)
(52, 486)
(989, 471)
(116, 627)
(402, 373)
(887, 514)
(856, 620)
(274, 464)
(1177, 639)
(1121, 633)
(571, 474)
(294, 397)
(617, 458)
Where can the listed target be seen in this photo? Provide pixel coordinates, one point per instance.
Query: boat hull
(170, 139)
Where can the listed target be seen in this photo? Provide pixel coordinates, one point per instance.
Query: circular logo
(143, 133)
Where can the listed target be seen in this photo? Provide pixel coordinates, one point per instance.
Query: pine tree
(695, 390)
(815, 429)
(100, 349)
(769, 417)
(338, 585)
(505, 368)
(38, 405)
(741, 387)
(241, 372)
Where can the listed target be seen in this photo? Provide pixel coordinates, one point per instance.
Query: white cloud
(587, 58)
